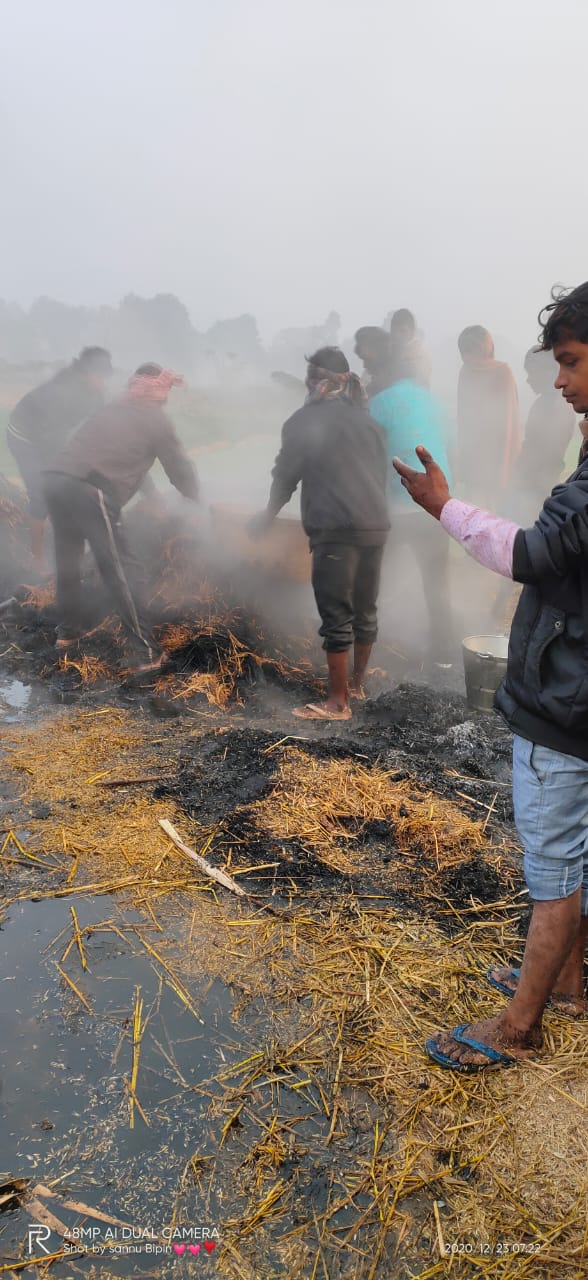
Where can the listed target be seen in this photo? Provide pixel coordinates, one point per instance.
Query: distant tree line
(158, 328)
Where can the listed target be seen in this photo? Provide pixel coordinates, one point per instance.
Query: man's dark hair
(566, 316)
(375, 339)
(149, 370)
(404, 319)
(94, 359)
(330, 358)
(472, 341)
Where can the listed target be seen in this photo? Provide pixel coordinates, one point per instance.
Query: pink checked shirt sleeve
(487, 538)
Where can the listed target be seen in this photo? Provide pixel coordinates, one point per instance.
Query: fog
(224, 188)
(286, 159)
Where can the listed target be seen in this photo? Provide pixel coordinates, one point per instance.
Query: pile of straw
(325, 805)
(213, 643)
(89, 668)
(105, 834)
(41, 596)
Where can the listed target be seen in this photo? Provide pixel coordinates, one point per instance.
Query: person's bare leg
(338, 699)
(570, 979)
(518, 1029)
(361, 657)
(568, 987)
(37, 531)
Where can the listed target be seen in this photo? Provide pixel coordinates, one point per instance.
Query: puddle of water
(15, 695)
(64, 1073)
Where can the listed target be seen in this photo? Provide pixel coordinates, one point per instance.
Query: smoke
(232, 430)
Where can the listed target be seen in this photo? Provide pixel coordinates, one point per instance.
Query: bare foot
(356, 690)
(497, 1034)
(569, 1005)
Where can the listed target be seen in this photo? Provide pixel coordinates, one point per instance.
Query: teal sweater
(410, 415)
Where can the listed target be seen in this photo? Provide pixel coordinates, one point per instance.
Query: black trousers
(80, 513)
(346, 581)
(430, 546)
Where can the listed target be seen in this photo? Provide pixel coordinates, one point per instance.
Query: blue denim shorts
(550, 793)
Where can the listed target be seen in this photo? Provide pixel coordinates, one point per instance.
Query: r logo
(37, 1234)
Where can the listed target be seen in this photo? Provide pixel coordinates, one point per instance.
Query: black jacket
(338, 455)
(544, 696)
(46, 416)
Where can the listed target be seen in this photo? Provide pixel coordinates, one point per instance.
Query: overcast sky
(287, 157)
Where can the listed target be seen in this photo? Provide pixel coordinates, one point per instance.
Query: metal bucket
(484, 663)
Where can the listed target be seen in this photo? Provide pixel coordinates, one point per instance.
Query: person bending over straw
(98, 471)
(544, 700)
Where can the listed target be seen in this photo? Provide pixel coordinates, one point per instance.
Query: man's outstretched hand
(428, 488)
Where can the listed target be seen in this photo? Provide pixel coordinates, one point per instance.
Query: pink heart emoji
(209, 1245)
(194, 1248)
(179, 1249)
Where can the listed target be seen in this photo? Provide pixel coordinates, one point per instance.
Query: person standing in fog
(42, 421)
(372, 347)
(488, 419)
(337, 453)
(548, 430)
(410, 360)
(410, 415)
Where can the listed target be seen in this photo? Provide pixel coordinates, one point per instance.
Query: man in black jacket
(544, 700)
(338, 455)
(42, 421)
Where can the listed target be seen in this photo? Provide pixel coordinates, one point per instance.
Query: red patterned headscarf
(323, 384)
(145, 386)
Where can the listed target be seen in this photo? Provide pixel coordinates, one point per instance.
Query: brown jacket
(116, 448)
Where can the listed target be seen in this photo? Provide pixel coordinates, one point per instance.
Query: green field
(202, 418)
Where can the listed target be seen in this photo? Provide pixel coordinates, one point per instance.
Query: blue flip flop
(495, 1058)
(501, 986)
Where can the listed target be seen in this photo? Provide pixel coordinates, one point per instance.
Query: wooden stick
(11, 1267)
(206, 867)
(490, 811)
(40, 1213)
(131, 782)
(138, 1030)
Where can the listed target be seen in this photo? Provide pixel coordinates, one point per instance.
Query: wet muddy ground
(64, 1110)
(65, 1069)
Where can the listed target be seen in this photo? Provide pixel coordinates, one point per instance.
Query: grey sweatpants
(80, 513)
